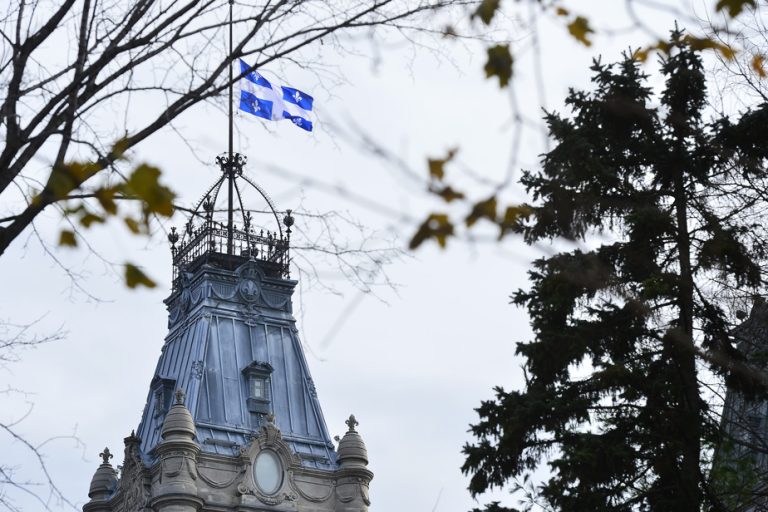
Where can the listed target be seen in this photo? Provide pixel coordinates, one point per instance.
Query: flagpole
(231, 155)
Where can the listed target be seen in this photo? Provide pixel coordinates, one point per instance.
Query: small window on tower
(162, 390)
(257, 381)
(257, 388)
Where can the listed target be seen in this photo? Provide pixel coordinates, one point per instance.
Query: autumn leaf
(734, 7)
(512, 217)
(705, 43)
(483, 210)
(67, 239)
(758, 62)
(89, 218)
(562, 11)
(135, 277)
(436, 166)
(486, 10)
(448, 193)
(144, 183)
(499, 64)
(133, 225)
(642, 54)
(120, 147)
(580, 30)
(437, 226)
(67, 177)
(106, 198)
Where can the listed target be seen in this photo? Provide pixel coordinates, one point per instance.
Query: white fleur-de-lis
(255, 106)
(296, 121)
(297, 97)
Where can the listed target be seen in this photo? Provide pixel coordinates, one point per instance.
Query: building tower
(232, 421)
(740, 470)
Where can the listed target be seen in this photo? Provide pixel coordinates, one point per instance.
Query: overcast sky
(412, 363)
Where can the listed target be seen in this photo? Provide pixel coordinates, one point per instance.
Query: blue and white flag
(260, 98)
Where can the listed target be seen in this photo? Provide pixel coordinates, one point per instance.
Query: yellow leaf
(735, 7)
(67, 177)
(436, 226)
(758, 62)
(133, 225)
(483, 210)
(120, 147)
(499, 64)
(641, 54)
(67, 239)
(580, 30)
(512, 217)
(486, 10)
(436, 166)
(706, 43)
(135, 277)
(106, 198)
(447, 193)
(144, 183)
(562, 11)
(90, 218)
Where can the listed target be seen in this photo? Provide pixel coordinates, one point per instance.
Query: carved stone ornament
(249, 281)
(185, 299)
(270, 438)
(133, 488)
(250, 314)
(302, 488)
(196, 370)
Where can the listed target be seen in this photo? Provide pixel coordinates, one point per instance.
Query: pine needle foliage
(613, 413)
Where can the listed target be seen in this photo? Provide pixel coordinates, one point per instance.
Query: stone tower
(740, 470)
(232, 420)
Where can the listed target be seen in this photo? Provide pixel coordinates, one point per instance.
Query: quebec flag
(260, 98)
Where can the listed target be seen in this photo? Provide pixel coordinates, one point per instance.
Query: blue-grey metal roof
(220, 322)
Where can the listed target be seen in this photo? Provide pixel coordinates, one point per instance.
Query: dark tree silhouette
(614, 402)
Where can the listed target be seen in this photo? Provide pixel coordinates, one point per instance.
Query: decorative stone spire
(352, 423)
(106, 455)
(178, 422)
(104, 479)
(352, 451)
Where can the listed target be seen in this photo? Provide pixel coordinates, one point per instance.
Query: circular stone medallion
(249, 290)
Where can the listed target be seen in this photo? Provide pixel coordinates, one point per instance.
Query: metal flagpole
(231, 155)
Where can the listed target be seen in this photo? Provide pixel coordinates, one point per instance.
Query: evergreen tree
(613, 412)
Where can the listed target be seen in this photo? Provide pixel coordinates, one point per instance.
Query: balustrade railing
(211, 238)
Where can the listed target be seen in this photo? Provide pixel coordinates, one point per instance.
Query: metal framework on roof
(207, 235)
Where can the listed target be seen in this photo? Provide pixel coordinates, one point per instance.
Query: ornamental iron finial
(106, 455)
(173, 237)
(180, 396)
(352, 423)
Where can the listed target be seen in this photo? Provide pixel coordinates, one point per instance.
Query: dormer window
(257, 375)
(258, 388)
(163, 391)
